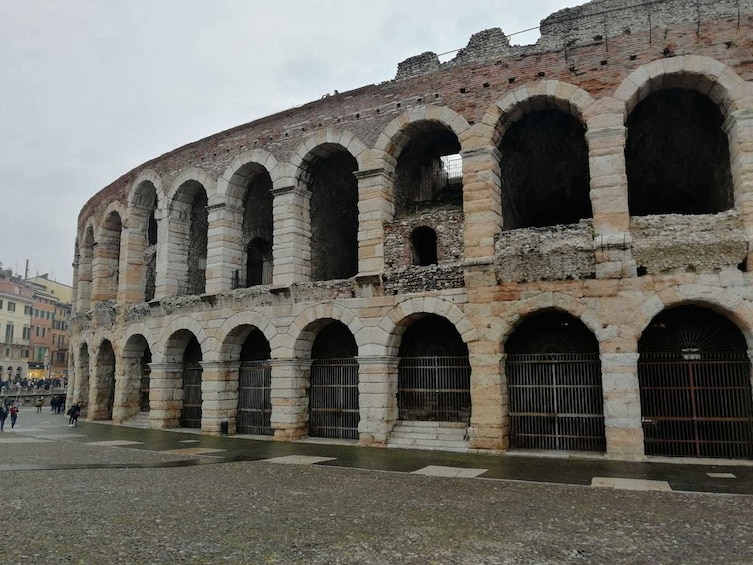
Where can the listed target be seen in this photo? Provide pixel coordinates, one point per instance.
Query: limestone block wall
(612, 271)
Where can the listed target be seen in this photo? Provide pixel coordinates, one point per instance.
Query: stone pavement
(101, 493)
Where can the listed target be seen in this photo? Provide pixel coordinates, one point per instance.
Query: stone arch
(552, 301)
(545, 94)
(303, 330)
(173, 346)
(321, 144)
(231, 335)
(737, 311)
(696, 72)
(191, 174)
(135, 194)
(392, 140)
(107, 260)
(134, 330)
(231, 184)
(397, 320)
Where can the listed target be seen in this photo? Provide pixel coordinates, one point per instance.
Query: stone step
(437, 445)
(419, 424)
(140, 420)
(439, 434)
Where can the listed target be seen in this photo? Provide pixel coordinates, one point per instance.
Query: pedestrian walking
(54, 404)
(74, 413)
(13, 415)
(39, 402)
(3, 416)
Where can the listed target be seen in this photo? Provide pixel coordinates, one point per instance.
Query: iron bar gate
(435, 389)
(144, 388)
(333, 398)
(556, 401)
(696, 404)
(254, 398)
(190, 415)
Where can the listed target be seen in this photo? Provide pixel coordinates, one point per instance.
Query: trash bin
(224, 428)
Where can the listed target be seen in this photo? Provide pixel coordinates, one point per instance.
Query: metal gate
(254, 399)
(556, 401)
(435, 389)
(333, 398)
(190, 416)
(144, 388)
(697, 404)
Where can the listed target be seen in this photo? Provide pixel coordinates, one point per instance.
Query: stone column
(375, 207)
(84, 289)
(219, 395)
(172, 256)
(606, 135)
(127, 388)
(131, 288)
(490, 423)
(739, 129)
(165, 394)
(290, 402)
(377, 398)
(224, 246)
(622, 405)
(482, 202)
(291, 247)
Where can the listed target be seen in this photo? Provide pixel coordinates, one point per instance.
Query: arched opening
(258, 262)
(191, 222)
(107, 258)
(554, 382)
(81, 384)
(254, 387)
(333, 394)
(428, 173)
(695, 382)
(434, 373)
(677, 155)
(136, 357)
(86, 254)
(190, 414)
(147, 211)
(334, 214)
(424, 246)
(257, 226)
(101, 406)
(544, 171)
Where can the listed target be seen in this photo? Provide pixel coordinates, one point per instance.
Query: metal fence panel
(697, 405)
(435, 389)
(556, 401)
(254, 398)
(333, 399)
(190, 416)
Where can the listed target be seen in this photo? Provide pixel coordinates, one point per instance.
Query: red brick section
(597, 68)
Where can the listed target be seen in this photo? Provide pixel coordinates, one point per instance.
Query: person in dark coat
(74, 413)
(3, 416)
(13, 415)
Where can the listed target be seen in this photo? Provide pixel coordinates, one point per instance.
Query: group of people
(57, 405)
(6, 411)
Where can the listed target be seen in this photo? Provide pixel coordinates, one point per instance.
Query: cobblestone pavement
(106, 494)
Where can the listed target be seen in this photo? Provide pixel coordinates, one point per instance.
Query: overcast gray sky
(92, 88)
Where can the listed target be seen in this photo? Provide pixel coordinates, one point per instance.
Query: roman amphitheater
(534, 248)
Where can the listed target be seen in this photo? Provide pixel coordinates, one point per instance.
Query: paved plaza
(99, 493)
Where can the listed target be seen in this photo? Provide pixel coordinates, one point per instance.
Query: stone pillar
(165, 394)
(172, 256)
(219, 395)
(375, 207)
(131, 288)
(739, 129)
(482, 202)
(84, 289)
(106, 268)
(490, 423)
(606, 135)
(127, 388)
(291, 247)
(224, 246)
(377, 399)
(622, 405)
(290, 402)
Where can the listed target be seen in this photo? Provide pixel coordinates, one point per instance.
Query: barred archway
(554, 380)
(190, 415)
(254, 387)
(434, 373)
(695, 383)
(333, 394)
